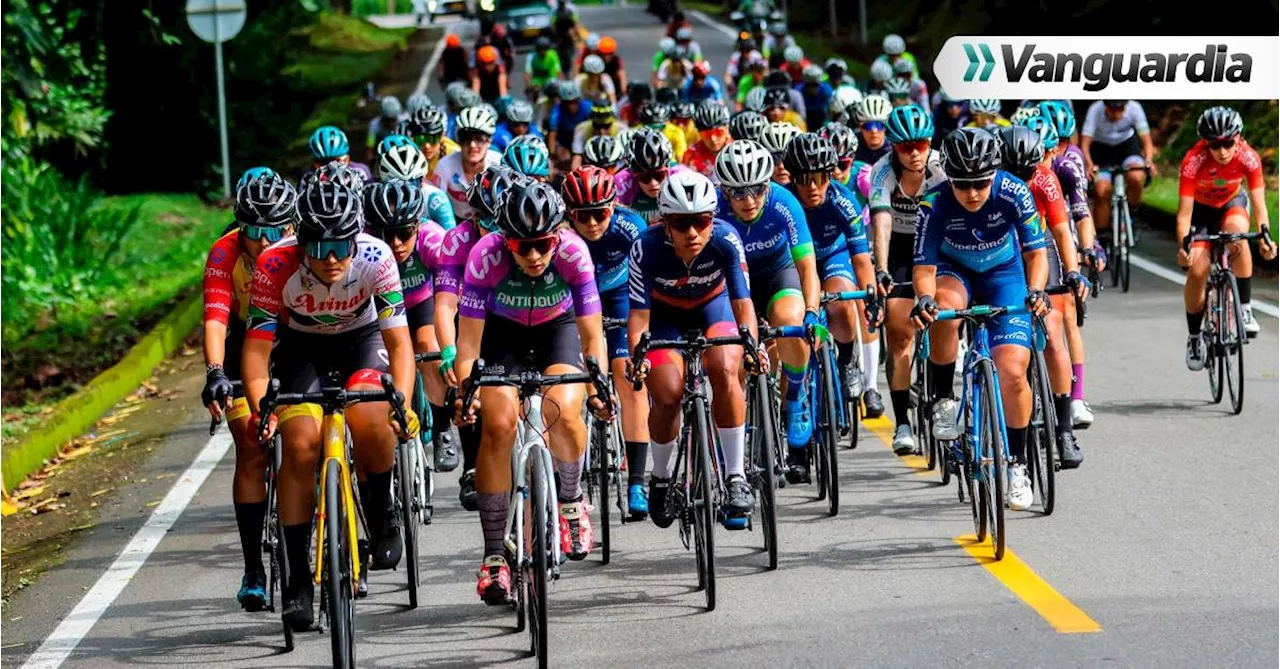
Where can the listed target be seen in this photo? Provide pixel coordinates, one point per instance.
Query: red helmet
(701, 68)
(587, 187)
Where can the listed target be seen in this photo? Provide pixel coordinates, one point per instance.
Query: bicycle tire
(764, 478)
(406, 466)
(817, 446)
(996, 470)
(337, 572)
(774, 402)
(603, 434)
(831, 431)
(1125, 266)
(536, 563)
(1209, 328)
(1233, 339)
(852, 403)
(704, 503)
(1042, 437)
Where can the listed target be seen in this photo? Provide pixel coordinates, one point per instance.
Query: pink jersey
(494, 285)
(451, 260)
(416, 271)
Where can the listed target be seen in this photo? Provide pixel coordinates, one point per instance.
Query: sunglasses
(524, 247)
(1222, 143)
(340, 249)
(971, 184)
(427, 139)
(745, 192)
(588, 215)
(919, 146)
(845, 163)
(402, 234)
(684, 223)
(259, 232)
(873, 126)
(713, 133)
(811, 179)
(473, 138)
(651, 177)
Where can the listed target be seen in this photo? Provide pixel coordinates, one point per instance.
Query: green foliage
(372, 7)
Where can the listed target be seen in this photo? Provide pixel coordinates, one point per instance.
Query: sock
(901, 406)
(1246, 290)
(943, 379)
(1018, 444)
(249, 517)
(493, 520)
(1062, 407)
(637, 461)
(733, 444)
(844, 353)
(441, 419)
(469, 435)
(795, 382)
(662, 453)
(870, 365)
(1077, 382)
(1193, 322)
(570, 480)
(297, 555)
(379, 486)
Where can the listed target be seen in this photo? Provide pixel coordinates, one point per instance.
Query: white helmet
(403, 161)
(846, 97)
(593, 64)
(894, 44)
(390, 106)
(776, 136)
(416, 102)
(755, 99)
(793, 54)
(687, 192)
(743, 163)
(478, 119)
(667, 45)
(874, 108)
(593, 41)
(984, 106)
(881, 71)
(1021, 114)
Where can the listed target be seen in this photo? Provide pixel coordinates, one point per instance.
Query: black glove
(924, 303)
(885, 279)
(1037, 297)
(1075, 279)
(1088, 257)
(217, 387)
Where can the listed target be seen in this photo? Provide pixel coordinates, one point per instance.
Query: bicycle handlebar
(614, 323)
(431, 356)
(1221, 237)
(529, 381)
(333, 397)
(694, 342)
(987, 311)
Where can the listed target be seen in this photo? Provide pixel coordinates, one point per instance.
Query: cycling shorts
(422, 314)
(838, 265)
(616, 303)
(517, 347)
(1005, 285)
(902, 256)
(1126, 154)
(714, 318)
(304, 362)
(1206, 219)
(767, 288)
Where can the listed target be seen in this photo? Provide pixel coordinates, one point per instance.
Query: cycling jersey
(669, 77)
(447, 146)
(1052, 208)
(907, 56)
(609, 253)
(449, 177)
(490, 82)
(816, 97)
(438, 210)
(451, 259)
(630, 195)
(494, 284)
(675, 135)
(869, 156)
(416, 270)
(379, 128)
(657, 276)
(709, 89)
(745, 83)
(887, 194)
(1000, 121)
(283, 285)
(1069, 168)
(1105, 131)
(700, 159)
(228, 276)
(602, 91)
(353, 165)
(777, 238)
(502, 136)
(836, 225)
(1214, 184)
(991, 238)
(542, 68)
(587, 130)
(563, 121)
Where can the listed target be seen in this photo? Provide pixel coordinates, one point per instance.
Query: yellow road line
(883, 428)
(1057, 610)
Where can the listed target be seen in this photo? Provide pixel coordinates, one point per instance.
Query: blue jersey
(778, 237)
(502, 136)
(837, 224)
(658, 274)
(994, 237)
(563, 123)
(816, 99)
(610, 252)
(438, 207)
(711, 89)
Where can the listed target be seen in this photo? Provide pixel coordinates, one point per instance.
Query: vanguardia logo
(988, 62)
(1100, 69)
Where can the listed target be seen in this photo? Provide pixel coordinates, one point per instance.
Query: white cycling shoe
(904, 443)
(944, 419)
(1081, 415)
(1251, 327)
(1195, 352)
(1020, 496)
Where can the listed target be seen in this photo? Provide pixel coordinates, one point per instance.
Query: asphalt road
(1162, 552)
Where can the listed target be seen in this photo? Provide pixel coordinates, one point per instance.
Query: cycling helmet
(667, 46)
(1219, 123)
(744, 163)
(339, 172)
(984, 106)
(776, 136)
(519, 111)
(949, 98)
(542, 43)
(530, 209)
(1048, 133)
(430, 120)
(453, 93)
(485, 192)
(970, 153)
(528, 159)
(393, 141)
(847, 97)
(469, 98)
(552, 89)
(487, 54)
(1021, 149)
(593, 64)
(701, 68)
(682, 110)
(328, 142)
(328, 211)
(1116, 104)
(402, 162)
(777, 97)
(1061, 116)
(267, 200)
(477, 119)
(667, 96)
(908, 123)
(253, 173)
(389, 107)
(897, 88)
(903, 67)
(835, 67)
(602, 151)
(415, 102)
(684, 34)
(843, 139)
(812, 74)
(639, 91)
(685, 193)
(391, 204)
(793, 54)
(755, 99)
(602, 113)
(881, 71)
(587, 187)
(894, 44)
(809, 152)
(778, 28)
(710, 114)
(531, 140)
(874, 108)
(654, 113)
(608, 45)
(747, 125)
(1021, 114)
(570, 91)
(593, 42)
(649, 151)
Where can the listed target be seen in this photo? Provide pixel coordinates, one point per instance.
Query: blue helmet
(253, 173)
(908, 123)
(391, 142)
(527, 158)
(328, 143)
(1060, 115)
(1048, 133)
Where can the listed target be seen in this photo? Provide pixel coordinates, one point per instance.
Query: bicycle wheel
(337, 572)
(703, 503)
(1210, 326)
(1041, 438)
(763, 476)
(774, 402)
(817, 446)
(603, 464)
(535, 562)
(1126, 226)
(993, 459)
(831, 428)
(406, 464)
(852, 403)
(1233, 337)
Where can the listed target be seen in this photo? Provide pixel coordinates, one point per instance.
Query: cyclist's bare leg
(944, 336)
(842, 315)
(900, 336)
(1102, 201)
(493, 463)
(1238, 251)
(300, 440)
(1011, 366)
(251, 462)
(729, 403)
(665, 384)
(793, 351)
(566, 433)
(1197, 274)
(1057, 357)
(634, 405)
(1134, 181)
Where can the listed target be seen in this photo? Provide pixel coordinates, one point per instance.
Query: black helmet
(682, 110)
(639, 91)
(1021, 150)
(268, 201)
(809, 152)
(602, 151)
(430, 120)
(485, 192)
(543, 43)
(777, 79)
(393, 204)
(1219, 123)
(654, 113)
(649, 151)
(747, 125)
(777, 97)
(668, 96)
(327, 211)
(531, 209)
(970, 153)
(339, 172)
(710, 114)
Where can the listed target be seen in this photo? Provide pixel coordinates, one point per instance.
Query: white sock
(870, 365)
(662, 460)
(733, 444)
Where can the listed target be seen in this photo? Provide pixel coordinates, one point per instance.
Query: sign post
(217, 21)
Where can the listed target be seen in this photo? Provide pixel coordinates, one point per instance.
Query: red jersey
(700, 159)
(1214, 184)
(1048, 196)
(228, 274)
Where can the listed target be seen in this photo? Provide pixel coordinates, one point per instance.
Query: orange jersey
(1214, 184)
(228, 275)
(1048, 196)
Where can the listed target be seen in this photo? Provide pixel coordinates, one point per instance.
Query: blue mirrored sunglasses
(745, 192)
(258, 232)
(340, 249)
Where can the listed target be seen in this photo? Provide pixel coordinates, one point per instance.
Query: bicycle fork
(334, 439)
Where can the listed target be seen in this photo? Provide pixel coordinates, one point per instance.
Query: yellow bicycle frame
(333, 438)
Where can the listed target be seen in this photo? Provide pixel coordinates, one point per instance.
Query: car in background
(436, 8)
(526, 20)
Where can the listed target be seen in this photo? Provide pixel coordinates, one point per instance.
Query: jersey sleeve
(852, 224)
(430, 236)
(388, 294)
(1021, 206)
(450, 261)
(1252, 164)
(573, 262)
(1090, 127)
(1053, 204)
(797, 227)
(272, 271)
(1075, 188)
(219, 286)
(486, 265)
(1190, 167)
(736, 278)
(928, 240)
(879, 178)
(440, 210)
(639, 283)
(1140, 123)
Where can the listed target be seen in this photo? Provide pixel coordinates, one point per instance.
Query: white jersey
(887, 194)
(448, 177)
(1104, 131)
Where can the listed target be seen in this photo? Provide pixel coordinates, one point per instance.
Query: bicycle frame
(528, 437)
(334, 444)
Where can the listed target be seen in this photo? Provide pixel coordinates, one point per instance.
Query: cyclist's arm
(1037, 264)
(502, 82)
(219, 291)
(637, 324)
(744, 311)
(470, 330)
(859, 252)
(881, 228)
(528, 76)
(622, 77)
(1085, 142)
(591, 333)
(400, 358)
(924, 278)
(1182, 220)
(446, 311)
(1258, 197)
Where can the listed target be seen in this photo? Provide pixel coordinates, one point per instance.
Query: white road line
(1180, 279)
(424, 79)
(55, 649)
(726, 30)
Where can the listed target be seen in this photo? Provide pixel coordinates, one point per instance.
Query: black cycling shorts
(304, 362)
(422, 314)
(518, 347)
(1208, 220)
(1114, 155)
(902, 262)
(765, 288)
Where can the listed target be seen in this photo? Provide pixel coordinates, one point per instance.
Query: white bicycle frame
(1120, 202)
(528, 437)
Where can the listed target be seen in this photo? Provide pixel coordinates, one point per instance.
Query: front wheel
(993, 460)
(830, 429)
(704, 503)
(408, 465)
(764, 478)
(536, 563)
(1042, 437)
(337, 572)
(1233, 337)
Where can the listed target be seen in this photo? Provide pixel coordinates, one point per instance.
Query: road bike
(850, 413)
(413, 484)
(1123, 237)
(603, 472)
(1042, 432)
(1223, 325)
